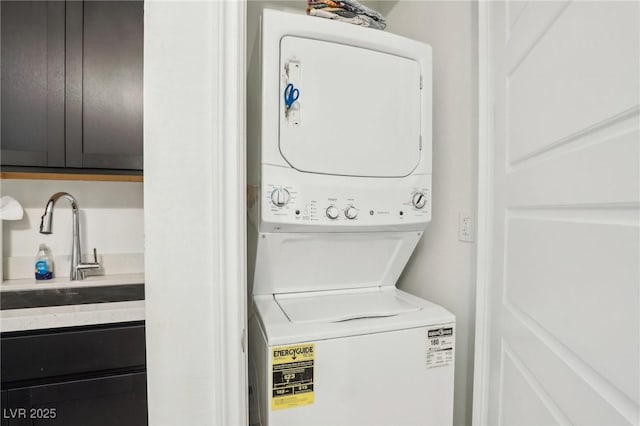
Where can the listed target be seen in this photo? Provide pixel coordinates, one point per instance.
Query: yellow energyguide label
(292, 375)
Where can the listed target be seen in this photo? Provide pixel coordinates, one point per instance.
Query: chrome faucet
(78, 268)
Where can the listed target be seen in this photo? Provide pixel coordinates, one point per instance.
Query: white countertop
(65, 282)
(71, 315)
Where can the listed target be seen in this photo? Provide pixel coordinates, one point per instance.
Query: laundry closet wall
(442, 269)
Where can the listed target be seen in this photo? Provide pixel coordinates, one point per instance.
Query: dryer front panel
(348, 110)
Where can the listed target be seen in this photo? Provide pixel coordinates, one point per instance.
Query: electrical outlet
(465, 227)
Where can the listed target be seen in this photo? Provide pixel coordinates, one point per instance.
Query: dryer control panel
(291, 200)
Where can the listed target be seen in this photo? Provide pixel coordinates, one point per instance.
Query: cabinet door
(3, 404)
(106, 401)
(32, 57)
(104, 84)
(47, 354)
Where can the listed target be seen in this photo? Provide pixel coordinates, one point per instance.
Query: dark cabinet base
(118, 400)
(78, 376)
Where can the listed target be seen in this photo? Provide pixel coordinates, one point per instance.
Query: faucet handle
(83, 267)
(90, 265)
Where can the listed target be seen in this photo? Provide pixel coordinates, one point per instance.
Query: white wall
(194, 212)
(442, 268)
(111, 220)
(181, 254)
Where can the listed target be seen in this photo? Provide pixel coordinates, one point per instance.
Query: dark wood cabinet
(102, 401)
(77, 376)
(104, 84)
(32, 58)
(72, 84)
(3, 404)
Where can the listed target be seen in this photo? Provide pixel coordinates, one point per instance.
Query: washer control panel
(345, 202)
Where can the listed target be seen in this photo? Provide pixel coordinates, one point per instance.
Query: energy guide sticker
(439, 346)
(292, 369)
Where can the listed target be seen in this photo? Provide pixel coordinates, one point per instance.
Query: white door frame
(232, 212)
(484, 215)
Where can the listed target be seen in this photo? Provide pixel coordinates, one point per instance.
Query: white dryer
(339, 173)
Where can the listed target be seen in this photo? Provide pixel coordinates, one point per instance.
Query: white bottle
(44, 263)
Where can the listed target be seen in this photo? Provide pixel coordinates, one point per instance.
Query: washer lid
(347, 110)
(280, 329)
(343, 306)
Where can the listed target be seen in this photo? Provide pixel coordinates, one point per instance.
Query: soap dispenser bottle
(44, 263)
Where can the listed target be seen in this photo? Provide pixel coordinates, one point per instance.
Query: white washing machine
(339, 173)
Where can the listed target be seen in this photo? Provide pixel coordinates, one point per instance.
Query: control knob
(280, 197)
(332, 212)
(351, 212)
(419, 200)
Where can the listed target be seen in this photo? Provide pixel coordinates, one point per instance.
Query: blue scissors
(291, 94)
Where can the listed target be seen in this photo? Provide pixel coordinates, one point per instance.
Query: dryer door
(348, 111)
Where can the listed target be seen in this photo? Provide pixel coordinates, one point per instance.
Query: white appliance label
(439, 346)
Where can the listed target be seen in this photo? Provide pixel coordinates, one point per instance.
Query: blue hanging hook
(291, 94)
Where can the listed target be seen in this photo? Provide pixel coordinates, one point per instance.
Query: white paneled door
(558, 338)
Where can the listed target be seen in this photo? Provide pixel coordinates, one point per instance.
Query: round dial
(351, 212)
(419, 200)
(280, 197)
(332, 212)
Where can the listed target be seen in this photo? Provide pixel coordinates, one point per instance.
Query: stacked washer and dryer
(339, 173)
